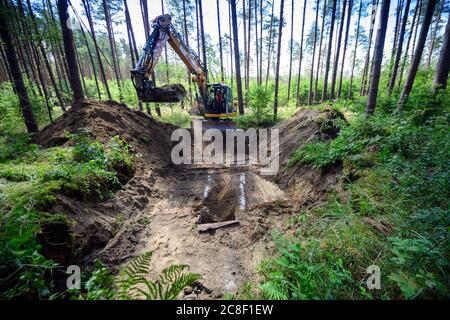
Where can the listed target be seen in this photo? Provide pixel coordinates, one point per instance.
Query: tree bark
(277, 70)
(291, 49)
(349, 16)
(69, 49)
(87, 9)
(330, 45)
(112, 45)
(433, 38)
(299, 75)
(378, 57)
(237, 56)
(269, 53)
(11, 57)
(443, 63)
(338, 49)
(417, 54)
(320, 50)
(358, 25)
(311, 76)
(202, 28)
(220, 42)
(399, 49)
(367, 60)
(405, 56)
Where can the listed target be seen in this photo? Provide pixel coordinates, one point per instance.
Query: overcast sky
(210, 22)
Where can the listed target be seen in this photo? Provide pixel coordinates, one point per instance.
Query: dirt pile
(305, 184)
(107, 119)
(116, 222)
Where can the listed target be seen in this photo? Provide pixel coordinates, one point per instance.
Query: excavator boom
(213, 100)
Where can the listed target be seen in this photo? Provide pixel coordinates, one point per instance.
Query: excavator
(213, 101)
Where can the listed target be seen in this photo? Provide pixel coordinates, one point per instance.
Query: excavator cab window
(218, 99)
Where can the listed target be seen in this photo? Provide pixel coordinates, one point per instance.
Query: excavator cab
(219, 102)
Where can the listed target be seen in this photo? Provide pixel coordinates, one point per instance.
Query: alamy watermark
(234, 146)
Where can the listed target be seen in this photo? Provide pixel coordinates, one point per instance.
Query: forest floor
(160, 205)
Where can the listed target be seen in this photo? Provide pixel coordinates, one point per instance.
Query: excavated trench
(164, 208)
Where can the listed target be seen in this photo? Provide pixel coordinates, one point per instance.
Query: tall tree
(69, 50)
(112, 45)
(186, 39)
(330, 44)
(291, 49)
(202, 31)
(299, 73)
(88, 12)
(322, 27)
(269, 52)
(11, 57)
(378, 57)
(433, 37)
(417, 53)
(277, 70)
(399, 49)
(364, 79)
(338, 49)
(358, 25)
(220, 42)
(44, 57)
(166, 59)
(443, 64)
(347, 28)
(237, 57)
(408, 42)
(313, 58)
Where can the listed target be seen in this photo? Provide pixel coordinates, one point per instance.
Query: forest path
(226, 257)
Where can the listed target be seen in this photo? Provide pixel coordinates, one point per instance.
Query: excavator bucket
(167, 93)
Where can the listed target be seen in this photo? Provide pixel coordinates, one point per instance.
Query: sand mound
(107, 119)
(303, 182)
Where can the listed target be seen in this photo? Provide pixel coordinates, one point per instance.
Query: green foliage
(392, 213)
(30, 179)
(134, 283)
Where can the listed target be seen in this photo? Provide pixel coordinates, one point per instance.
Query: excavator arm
(163, 32)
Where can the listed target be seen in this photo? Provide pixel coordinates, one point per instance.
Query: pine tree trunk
(247, 62)
(186, 39)
(202, 29)
(165, 49)
(256, 40)
(349, 16)
(112, 45)
(11, 57)
(231, 43)
(338, 49)
(311, 76)
(261, 19)
(87, 8)
(320, 50)
(396, 33)
(364, 80)
(299, 73)
(69, 49)
(405, 56)
(328, 60)
(358, 25)
(45, 58)
(398, 51)
(291, 49)
(378, 57)
(222, 78)
(269, 52)
(417, 54)
(433, 38)
(237, 56)
(277, 70)
(443, 64)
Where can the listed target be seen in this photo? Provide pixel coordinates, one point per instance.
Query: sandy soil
(159, 208)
